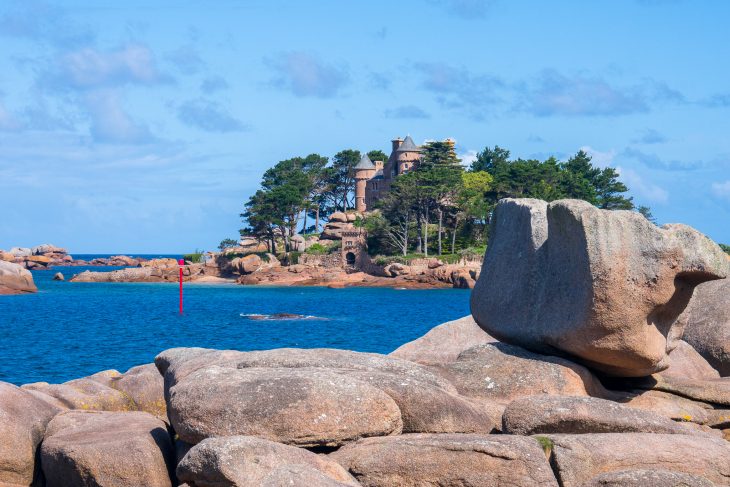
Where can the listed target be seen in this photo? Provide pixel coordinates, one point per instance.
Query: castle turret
(364, 171)
(408, 154)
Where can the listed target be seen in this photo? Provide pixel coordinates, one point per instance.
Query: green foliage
(317, 249)
(292, 258)
(195, 257)
(545, 443)
(227, 243)
(377, 155)
(233, 255)
(646, 211)
(725, 248)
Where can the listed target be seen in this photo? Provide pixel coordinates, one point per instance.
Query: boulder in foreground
(603, 286)
(707, 323)
(14, 279)
(446, 459)
(578, 459)
(106, 449)
(568, 414)
(246, 461)
(23, 420)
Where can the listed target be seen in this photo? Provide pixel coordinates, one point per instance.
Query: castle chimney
(396, 143)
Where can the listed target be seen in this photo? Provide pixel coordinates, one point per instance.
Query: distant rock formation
(605, 287)
(14, 279)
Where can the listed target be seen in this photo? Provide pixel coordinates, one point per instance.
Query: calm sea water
(69, 330)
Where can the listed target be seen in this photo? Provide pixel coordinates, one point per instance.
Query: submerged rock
(446, 459)
(14, 279)
(604, 286)
(111, 449)
(58, 277)
(246, 461)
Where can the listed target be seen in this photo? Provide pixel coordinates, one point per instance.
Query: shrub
(545, 442)
(233, 255)
(196, 257)
(318, 249)
(725, 248)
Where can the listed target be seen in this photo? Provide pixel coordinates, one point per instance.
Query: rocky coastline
(543, 385)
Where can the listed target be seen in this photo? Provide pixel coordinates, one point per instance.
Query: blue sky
(145, 129)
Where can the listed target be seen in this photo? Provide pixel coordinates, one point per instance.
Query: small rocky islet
(572, 371)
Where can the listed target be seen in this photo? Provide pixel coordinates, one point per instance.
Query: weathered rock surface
(145, 387)
(83, 448)
(502, 373)
(85, 394)
(305, 407)
(707, 323)
(445, 460)
(23, 420)
(246, 461)
(715, 391)
(149, 273)
(14, 279)
(664, 404)
(58, 277)
(569, 414)
(648, 478)
(443, 343)
(578, 459)
(426, 402)
(566, 276)
(686, 363)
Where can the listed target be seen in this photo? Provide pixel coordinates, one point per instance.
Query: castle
(373, 179)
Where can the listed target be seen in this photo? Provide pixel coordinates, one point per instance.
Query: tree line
(439, 207)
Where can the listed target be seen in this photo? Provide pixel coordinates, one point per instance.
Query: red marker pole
(181, 263)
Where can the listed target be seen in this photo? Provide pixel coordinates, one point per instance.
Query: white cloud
(599, 158)
(91, 68)
(468, 157)
(646, 190)
(306, 75)
(722, 189)
(109, 121)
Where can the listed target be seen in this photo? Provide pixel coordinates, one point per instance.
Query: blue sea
(69, 330)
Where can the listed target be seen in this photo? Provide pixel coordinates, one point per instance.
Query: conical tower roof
(365, 163)
(408, 145)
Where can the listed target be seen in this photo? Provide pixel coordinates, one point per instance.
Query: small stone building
(353, 248)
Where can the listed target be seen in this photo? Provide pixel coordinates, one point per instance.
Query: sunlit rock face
(604, 287)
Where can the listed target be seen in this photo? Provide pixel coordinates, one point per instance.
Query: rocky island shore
(571, 372)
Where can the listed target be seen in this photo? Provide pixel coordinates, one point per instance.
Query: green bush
(725, 248)
(293, 258)
(232, 255)
(318, 249)
(196, 257)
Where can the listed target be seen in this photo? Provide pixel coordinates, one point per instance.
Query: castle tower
(408, 154)
(364, 171)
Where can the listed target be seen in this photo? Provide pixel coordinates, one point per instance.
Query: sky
(126, 128)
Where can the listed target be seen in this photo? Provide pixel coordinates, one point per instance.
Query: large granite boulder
(304, 407)
(500, 372)
(686, 363)
(246, 461)
(443, 343)
(89, 394)
(707, 323)
(14, 279)
(605, 287)
(23, 421)
(145, 387)
(445, 460)
(569, 414)
(648, 478)
(579, 459)
(114, 449)
(425, 401)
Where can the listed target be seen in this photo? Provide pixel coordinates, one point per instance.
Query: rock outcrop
(580, 459)
(707, 323)
(443, 343)
(129, 449)
(23, 421)
(247, 461)
(14, 279)
(447, 459)
(605, 287)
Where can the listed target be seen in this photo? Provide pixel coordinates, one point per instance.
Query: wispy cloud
(90, 68)
(466, 9)
(647, 191)
(213, 84)
(649, 136)
(305, 75)
(406, 111)
(722, 189)
(655, 162)
(110, 122)
(39, 21)
(209, 116)
(186, 59)
(600, 158)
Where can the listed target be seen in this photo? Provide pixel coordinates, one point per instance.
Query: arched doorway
(350, 258)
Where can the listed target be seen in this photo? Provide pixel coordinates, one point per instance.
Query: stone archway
(350, 259)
